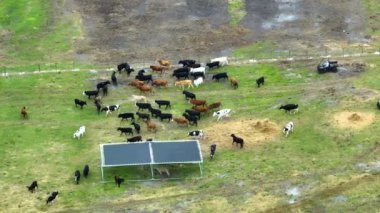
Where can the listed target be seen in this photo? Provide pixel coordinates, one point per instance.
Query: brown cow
(181, 121)
(214, 105)
(165, 63)
(145, 88)
(157, 68)
(234, 83)
(184, 83)
(200, 108)
(24, 113)
(136, 83)
(160, 82)
(198, 102)
(151, 126)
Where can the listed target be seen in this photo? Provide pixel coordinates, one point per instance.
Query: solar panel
(126, 154)
(176, 152)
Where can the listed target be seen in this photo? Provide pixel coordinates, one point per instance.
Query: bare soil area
(353, 120)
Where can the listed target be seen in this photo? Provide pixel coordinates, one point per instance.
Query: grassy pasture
(318, 157)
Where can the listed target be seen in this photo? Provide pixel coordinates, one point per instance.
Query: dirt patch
(354, 120)
(254, 132)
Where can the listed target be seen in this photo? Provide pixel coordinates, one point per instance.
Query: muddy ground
(136, 30)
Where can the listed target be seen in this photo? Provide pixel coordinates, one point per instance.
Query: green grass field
(318, 158)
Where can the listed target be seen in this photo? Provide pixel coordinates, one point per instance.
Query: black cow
(289, 107)
(143, 106)
(135, 139)
(113, 78)
(212, 150)
(189, 95)
(126, 115)
(143, 116)
(196, 133)
(186, 62)
(219, 76)
(77, 176)
(181, 70)
(52, 197)
(213, 64)
(196, 75)
(164, 103)
(105, 90)
(193, 113)
(32, 186)
(102, 84)
(118, 181)
(98, 106)
(192, 119)
(260, 81)
(378, 104)
(237, 140)
(80, 103)
(125, 130)
(194, 65)
(126, 67)
(145, 78)
(141, 72)
(91, 93)
(181, 75)
(86, 170)
(137, 127)
(111, 108)
(164, 116)
(155, 112)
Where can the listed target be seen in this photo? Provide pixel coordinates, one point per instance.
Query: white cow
(288, 128)
(222, 113)
(198, 81)
(222, 61)
(199, 69)
(139, 98)
(79, 133)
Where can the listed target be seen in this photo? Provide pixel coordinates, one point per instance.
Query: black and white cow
(52, 197)
(80, 103)
(163, 103)
(288, 128)
(125, 130)
(127, 115)
(290, 108)
(260, 81)
(77, 176)
(111, 108)
(196, 133)
(135, 139)
(212, 150)
(33, 186)
(86, 170)
(90, 93)
(222, 113)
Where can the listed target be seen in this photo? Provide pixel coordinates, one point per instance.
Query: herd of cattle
(146, 112)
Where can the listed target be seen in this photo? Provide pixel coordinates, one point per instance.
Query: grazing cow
(234, 83)
(80, 103)
(198, 81)
(194, 65)
(102, 84)
(184, 83)
(156, 68)
(137, 127)
(290, 108)
(118, 181)
(162, 170)
(288, 128)
(24, 113)
(52, 197)
(237, 140)
(151, 126)
(200, 108)
(212, 150)
(164, 103)
(219, 76)
(141, 72)
(192, 119)
(127, 115)
(134, 139)
(98, 106)
(77, 176)
(196, 133)
(155, 112)
(91, 93)
(111, 108)
(139, 98)
(160, 82)
(181, 70)
(196, 102)
(143, 106)
(197, 75)
(180, 75)
(193, 113)
(165, 63)
(86, 170)
(145, 88)
(222, 113)
(214, 105)
(260, 81)
(136, 83)
(213, 64)
(186, 62)
(33, 186)
(145, 78)
(199, 69)
(113, 78)
(181, 121)
(125, 130)
(188, 95)
(143, 116)
(222, 61)
(378, 104)
(164, 116)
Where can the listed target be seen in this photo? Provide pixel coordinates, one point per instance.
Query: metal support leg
(101, 168)
(151, 170)
(200, 168)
